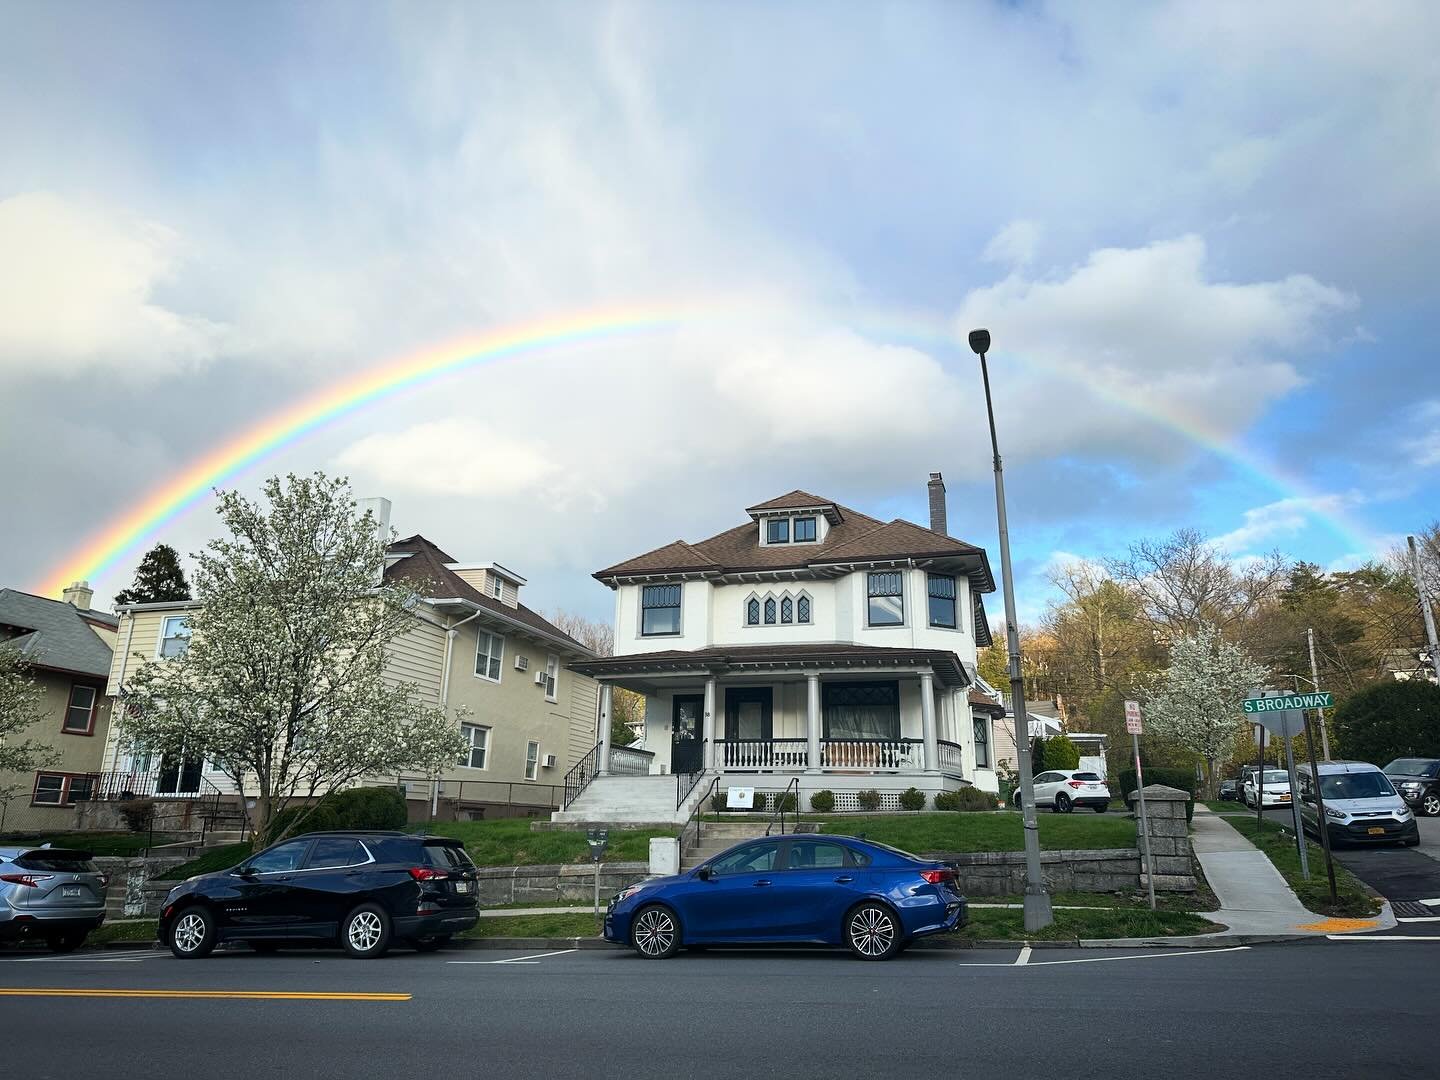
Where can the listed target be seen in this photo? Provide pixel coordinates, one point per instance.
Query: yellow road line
(247, 995)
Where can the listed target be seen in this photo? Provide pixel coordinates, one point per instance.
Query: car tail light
(428, 873)
(1074, 784)
(935, 877)
(33, 880)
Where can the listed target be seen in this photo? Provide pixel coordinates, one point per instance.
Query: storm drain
(1410, 909)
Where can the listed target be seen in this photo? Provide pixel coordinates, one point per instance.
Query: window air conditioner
(548, 761)
(522, 663)
(539, 677)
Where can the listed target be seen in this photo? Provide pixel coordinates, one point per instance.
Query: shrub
(868, 800)
(1184, 779)
(1060, 753)
(718, 802)
(912, 799)
(1390, 720)
(138, 813)
(967, 798)
(761, 800)
(822, 801)
(353, 808)
(787, 801)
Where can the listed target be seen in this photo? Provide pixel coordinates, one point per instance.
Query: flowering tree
(285, 684)
(20, 707)
(1196, 701)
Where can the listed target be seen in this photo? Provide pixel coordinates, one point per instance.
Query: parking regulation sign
(1132, 718)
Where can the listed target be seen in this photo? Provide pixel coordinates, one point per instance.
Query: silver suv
(55, 895)
(1361, 805)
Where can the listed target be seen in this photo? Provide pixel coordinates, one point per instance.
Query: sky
(1204, 237)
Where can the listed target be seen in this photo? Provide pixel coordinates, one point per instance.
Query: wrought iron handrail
(684, 784)
(580, 775)
(781, 801)
(697, 818)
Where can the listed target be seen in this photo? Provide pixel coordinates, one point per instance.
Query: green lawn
(120, 844)
(1279, 846)
(1005, 924)
(999, 831)
(144, 930)
(509, 842)
(1120, 901)
(221, 858)
(1220, 806)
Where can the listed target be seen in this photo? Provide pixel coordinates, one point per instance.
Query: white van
(1361, 805)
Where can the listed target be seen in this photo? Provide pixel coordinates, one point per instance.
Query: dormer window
(497, 588)
(777, 531)
(804, 530)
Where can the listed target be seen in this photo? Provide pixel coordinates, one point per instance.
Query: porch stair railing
(787, 802)
(579, 776)
(697, 817)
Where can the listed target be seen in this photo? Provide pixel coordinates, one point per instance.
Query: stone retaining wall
(134, 891)
(1002, 873)
(570, 881)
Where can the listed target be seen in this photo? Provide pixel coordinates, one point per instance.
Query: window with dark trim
(887, 598)
(942, 600)
(802, 609)
(787, 610)
(804, 530)
(659, 610)
(866, 710)
(80, 711)
(982, 742)
(752, 612)
(777, 531)
(769, 611)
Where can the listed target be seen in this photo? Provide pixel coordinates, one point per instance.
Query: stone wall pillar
(1169, 838)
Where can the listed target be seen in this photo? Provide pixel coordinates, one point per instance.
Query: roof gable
(56, 634)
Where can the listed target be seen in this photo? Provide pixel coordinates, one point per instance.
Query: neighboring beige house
(473, 645)
(68, 646)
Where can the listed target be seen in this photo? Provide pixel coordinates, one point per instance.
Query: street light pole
(1315, 682)
(1038, 913)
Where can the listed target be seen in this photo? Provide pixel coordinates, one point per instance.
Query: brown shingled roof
(795, 500)
(425, 569)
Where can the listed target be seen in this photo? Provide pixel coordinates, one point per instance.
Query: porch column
(707, 726)
(603, 766)
(927, 722)
(812, 723)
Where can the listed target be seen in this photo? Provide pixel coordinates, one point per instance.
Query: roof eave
(518, 624)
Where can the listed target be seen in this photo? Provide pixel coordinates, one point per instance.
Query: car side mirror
(703, 873)
(246, 872)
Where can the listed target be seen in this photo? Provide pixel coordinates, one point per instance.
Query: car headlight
(627, 892)
(1411, 786)
(1337, 814)
(1403, 813)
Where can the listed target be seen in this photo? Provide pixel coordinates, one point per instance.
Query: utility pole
(1425, 606)
(1315, 682)
(1038, 912)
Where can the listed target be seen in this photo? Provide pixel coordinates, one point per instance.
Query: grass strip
(558, 925)
(994, 831)
(509, 842)
(1003, 924)
(1278, 844)
(221, 858)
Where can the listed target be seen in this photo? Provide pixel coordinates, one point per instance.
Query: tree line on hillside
(1181, 625)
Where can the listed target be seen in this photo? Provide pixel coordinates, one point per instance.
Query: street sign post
(1284, 722)
(1133, 726)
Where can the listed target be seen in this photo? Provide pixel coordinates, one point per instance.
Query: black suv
(362, 889)
(1418, 782)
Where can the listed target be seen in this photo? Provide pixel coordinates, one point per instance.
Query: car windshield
(1276, 776)
(1411, 766)
(1359, 785)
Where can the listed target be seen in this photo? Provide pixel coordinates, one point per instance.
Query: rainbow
(122, 536)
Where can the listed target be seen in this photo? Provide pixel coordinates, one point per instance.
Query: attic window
(497, 588)
(777, 531)
(804, 530)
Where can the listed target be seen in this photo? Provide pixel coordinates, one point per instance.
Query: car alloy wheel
(193, 934)
(655, 935)
(1431, 804)
(366, 932)
(1063, 804)
(872, 932)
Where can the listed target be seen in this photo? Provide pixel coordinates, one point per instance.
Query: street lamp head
(980, 342)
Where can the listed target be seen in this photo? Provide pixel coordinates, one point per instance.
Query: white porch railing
(873, 755)
(762, 754)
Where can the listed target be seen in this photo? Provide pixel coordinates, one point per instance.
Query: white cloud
(1014, 245)
(1425, 447)
(1283, 518)
(77, 288)
(449, 457)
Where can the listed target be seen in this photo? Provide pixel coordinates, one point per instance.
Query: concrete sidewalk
(1254, 897)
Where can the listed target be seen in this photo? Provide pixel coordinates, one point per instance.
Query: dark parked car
(1230, 790)
(799, 889)
(54, 895)
(362, 889)
(1418, 782)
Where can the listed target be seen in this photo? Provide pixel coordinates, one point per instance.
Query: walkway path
(1254, 897)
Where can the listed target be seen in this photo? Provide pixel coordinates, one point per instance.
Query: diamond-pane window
(769, 610)
(802, 609)
(787, 610)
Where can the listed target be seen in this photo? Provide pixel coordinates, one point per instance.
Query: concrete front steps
(716, 837)
(639, 800)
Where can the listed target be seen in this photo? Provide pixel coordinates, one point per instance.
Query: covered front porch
(842, 718)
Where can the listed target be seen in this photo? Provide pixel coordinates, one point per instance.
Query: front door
(178, 775)
(686, 729)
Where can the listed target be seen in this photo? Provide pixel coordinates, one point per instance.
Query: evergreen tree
(159, 577)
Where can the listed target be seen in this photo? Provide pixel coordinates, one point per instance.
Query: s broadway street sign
(1289, 701)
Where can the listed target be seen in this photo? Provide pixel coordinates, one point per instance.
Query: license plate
(1376, 830)
(70, 890)
(462, 886)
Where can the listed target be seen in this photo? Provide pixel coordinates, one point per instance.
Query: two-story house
(474, 649)
(67, 645)
(812, 642)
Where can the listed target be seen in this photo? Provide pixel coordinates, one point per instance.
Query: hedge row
(823, 802)
(1184, 779)
(354, 808)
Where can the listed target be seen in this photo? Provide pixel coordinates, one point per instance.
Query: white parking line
(1418, 918)
(533, 959)
(1381, 937)
(1023, 958)
(85, 958)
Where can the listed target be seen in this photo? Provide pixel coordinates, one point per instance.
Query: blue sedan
(798, 889)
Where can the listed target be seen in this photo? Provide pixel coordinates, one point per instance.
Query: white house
(810, 643)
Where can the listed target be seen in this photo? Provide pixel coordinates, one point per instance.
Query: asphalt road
(1327, 1009)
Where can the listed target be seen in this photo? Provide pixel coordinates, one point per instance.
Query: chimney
(937, 504)
(79, 595)
(380, 509)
